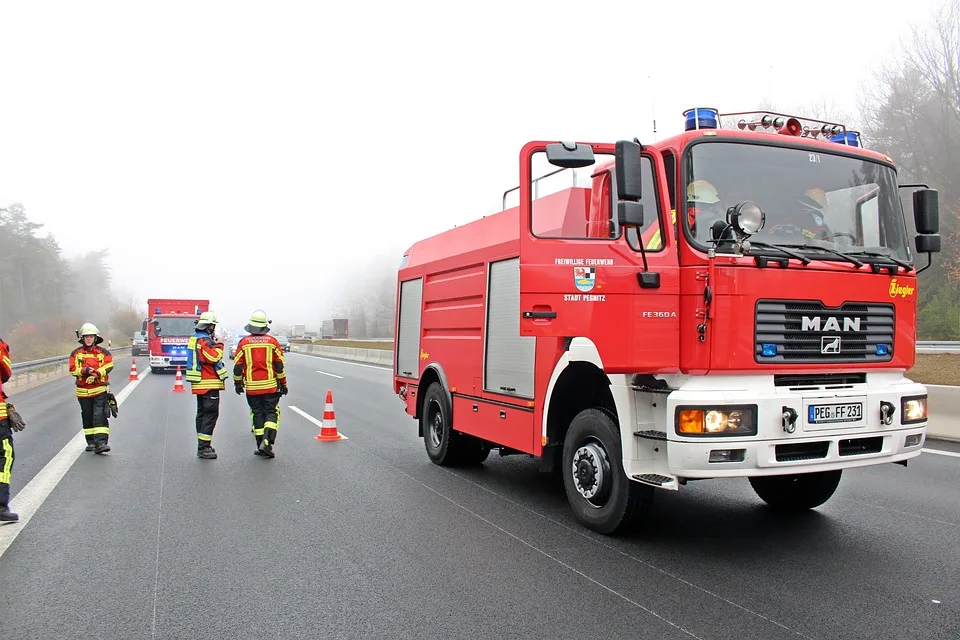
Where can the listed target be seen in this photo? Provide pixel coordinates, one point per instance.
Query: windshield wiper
(879, 254)
(793, 254)
(820, 247)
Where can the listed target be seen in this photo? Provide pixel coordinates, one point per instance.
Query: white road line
(314, 420)
(28, 501)
(332, 375)
(355, 364)
(952, 454)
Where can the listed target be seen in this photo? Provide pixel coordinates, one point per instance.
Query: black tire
(606, 502)
(439, 439)
(472, 450)
(796, 492)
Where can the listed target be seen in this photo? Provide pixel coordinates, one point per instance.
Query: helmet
(89, 329)
(702, 191)
(259, 323)
(206, 319)
(814, 199)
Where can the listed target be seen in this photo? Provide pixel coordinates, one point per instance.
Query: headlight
(730, 420)
(913, 409)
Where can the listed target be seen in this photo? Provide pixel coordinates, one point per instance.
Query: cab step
(656, 480)
(651, 434)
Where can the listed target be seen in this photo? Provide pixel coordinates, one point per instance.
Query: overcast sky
(257, 154)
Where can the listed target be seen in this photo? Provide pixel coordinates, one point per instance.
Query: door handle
(539, 314)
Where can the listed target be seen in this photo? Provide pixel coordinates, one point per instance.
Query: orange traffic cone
(178, 383)
(329, 431)
(133, 370)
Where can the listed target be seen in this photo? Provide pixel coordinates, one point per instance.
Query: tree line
(45, 297)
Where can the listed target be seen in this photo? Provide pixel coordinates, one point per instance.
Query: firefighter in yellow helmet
(808, 218)
(259, 370)
(206, 373)
(703, 201)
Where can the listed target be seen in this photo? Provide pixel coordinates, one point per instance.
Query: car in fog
(284, 342)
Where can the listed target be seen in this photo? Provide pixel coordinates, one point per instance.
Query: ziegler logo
(816, 323)
(902, 290)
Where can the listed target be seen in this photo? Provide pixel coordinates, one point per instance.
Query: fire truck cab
(733, 301)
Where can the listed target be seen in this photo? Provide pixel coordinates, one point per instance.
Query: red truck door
(581, 269)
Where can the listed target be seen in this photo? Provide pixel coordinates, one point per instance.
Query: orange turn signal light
(691, 421)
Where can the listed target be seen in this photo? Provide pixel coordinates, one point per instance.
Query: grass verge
(936, 368)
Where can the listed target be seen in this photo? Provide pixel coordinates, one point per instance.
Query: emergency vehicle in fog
(763, 332)
(171, 323)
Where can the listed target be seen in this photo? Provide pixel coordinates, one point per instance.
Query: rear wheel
(603, 499)
(438, 436)
(797, 492)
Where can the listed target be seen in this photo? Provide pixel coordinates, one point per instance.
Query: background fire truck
(762, 333)
(169, 328)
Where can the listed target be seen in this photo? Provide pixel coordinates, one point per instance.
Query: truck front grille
(806, 331)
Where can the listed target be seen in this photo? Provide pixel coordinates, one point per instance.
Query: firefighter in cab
(206, 373)
(91, 365)
(7, 426)
(703, 206)
(259, 370)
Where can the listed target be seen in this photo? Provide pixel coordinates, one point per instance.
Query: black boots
(207, 452)
(5, 514)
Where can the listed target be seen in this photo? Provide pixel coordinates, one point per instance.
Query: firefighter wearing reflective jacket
(91, 365)
(259, 368)
(206, 373)
(6, 438)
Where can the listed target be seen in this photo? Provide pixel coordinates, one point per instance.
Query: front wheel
(796, 492)
(603, 499)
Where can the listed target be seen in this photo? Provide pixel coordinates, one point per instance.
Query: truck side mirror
(143, 327)
(570, 155)
(928, 243)
(926, 211)
(629, 213)
(629, 170)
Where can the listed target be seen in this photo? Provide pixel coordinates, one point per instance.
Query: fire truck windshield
(808, 196)
(176, 327)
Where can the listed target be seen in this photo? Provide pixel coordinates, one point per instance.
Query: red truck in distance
(730, 302)
(170, 325)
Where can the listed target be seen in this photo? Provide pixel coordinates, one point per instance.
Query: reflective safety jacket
(6, 370)
(258, 363)
(98, 359)
(205, 368)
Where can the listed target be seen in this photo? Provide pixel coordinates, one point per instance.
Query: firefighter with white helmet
(206, 373)
(91, 365)
(703, 201)
(259, 370)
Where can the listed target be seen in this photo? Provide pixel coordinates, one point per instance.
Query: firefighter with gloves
(10, 421)
(206, 373)
(259, 370)
(91, 365)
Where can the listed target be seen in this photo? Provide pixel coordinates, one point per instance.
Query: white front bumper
(827, 447)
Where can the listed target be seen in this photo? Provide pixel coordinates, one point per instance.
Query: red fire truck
(762, 333)
(169, 328)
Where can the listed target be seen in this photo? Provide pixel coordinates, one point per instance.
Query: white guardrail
(944, 401)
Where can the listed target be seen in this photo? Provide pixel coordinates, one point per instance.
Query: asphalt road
(365, 538)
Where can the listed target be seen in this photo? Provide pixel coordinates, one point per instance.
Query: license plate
(833, 413)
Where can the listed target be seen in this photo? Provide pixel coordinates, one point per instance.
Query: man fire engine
(593, 328)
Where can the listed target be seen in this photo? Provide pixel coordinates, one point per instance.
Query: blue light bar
(769, 350)
(850, 138)
(883, 350)
(700, 118)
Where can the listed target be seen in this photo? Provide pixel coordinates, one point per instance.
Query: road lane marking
(952, 454)
(315, 421)
(332, 375)
(28, 500)
(355, 364)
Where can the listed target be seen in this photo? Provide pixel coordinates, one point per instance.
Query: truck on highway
(334, 329)
(170, 325)
(730, 302)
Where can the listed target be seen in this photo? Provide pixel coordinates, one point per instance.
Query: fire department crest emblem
(585, 277)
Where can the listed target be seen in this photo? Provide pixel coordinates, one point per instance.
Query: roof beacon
(700, 118)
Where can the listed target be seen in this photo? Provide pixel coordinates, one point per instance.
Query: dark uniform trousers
(208, 412)
(95, 418)
(265, 411)
(6, 460)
